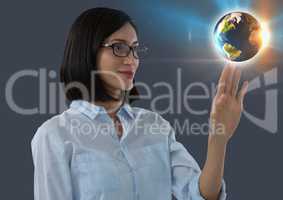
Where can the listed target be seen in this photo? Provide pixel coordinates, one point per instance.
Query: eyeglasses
(123, 50)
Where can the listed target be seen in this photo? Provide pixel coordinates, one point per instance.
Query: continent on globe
(238, 36)
(229, 22)
(231, 51)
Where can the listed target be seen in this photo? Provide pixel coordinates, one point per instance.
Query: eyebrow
(125, 41)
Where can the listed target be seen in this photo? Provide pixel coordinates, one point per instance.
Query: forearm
(212, 173)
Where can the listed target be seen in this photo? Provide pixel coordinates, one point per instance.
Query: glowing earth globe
(238, 36)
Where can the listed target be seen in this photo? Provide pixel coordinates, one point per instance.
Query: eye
(120, 47)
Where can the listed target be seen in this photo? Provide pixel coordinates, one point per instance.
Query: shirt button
(120, 155)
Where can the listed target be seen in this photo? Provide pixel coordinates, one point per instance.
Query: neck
(111, 107)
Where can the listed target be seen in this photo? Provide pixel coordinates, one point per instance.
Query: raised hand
(227, 104)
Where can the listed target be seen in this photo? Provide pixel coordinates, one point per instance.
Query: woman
(101, 147)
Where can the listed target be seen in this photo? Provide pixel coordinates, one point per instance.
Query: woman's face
(116, 72)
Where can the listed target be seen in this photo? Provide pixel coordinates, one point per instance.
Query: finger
(230, 80)
(243, 92)
(220, 89)
(222, 80)
(236, 82)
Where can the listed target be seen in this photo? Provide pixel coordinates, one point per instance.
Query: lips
(128, 74)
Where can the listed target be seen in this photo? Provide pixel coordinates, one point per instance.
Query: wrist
(217, 140)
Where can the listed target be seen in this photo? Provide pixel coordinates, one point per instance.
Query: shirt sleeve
(186, 172)
(52, 179)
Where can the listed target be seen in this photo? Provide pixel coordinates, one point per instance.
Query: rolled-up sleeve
(186, 173)
(52, 179)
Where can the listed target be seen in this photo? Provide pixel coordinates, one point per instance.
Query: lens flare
(265, 34)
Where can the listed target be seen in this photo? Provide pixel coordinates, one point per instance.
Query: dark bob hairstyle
(83, 42)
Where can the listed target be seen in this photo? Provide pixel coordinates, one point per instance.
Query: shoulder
(51, 129)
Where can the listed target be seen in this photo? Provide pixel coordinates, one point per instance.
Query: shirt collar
(91, 110)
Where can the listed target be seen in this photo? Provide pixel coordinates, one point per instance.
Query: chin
(128, 87)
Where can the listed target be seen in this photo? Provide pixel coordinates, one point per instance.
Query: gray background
(33, 34)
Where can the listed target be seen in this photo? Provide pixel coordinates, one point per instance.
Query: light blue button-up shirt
(78, 155)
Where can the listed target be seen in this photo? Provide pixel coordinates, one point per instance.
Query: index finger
(224, 78)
